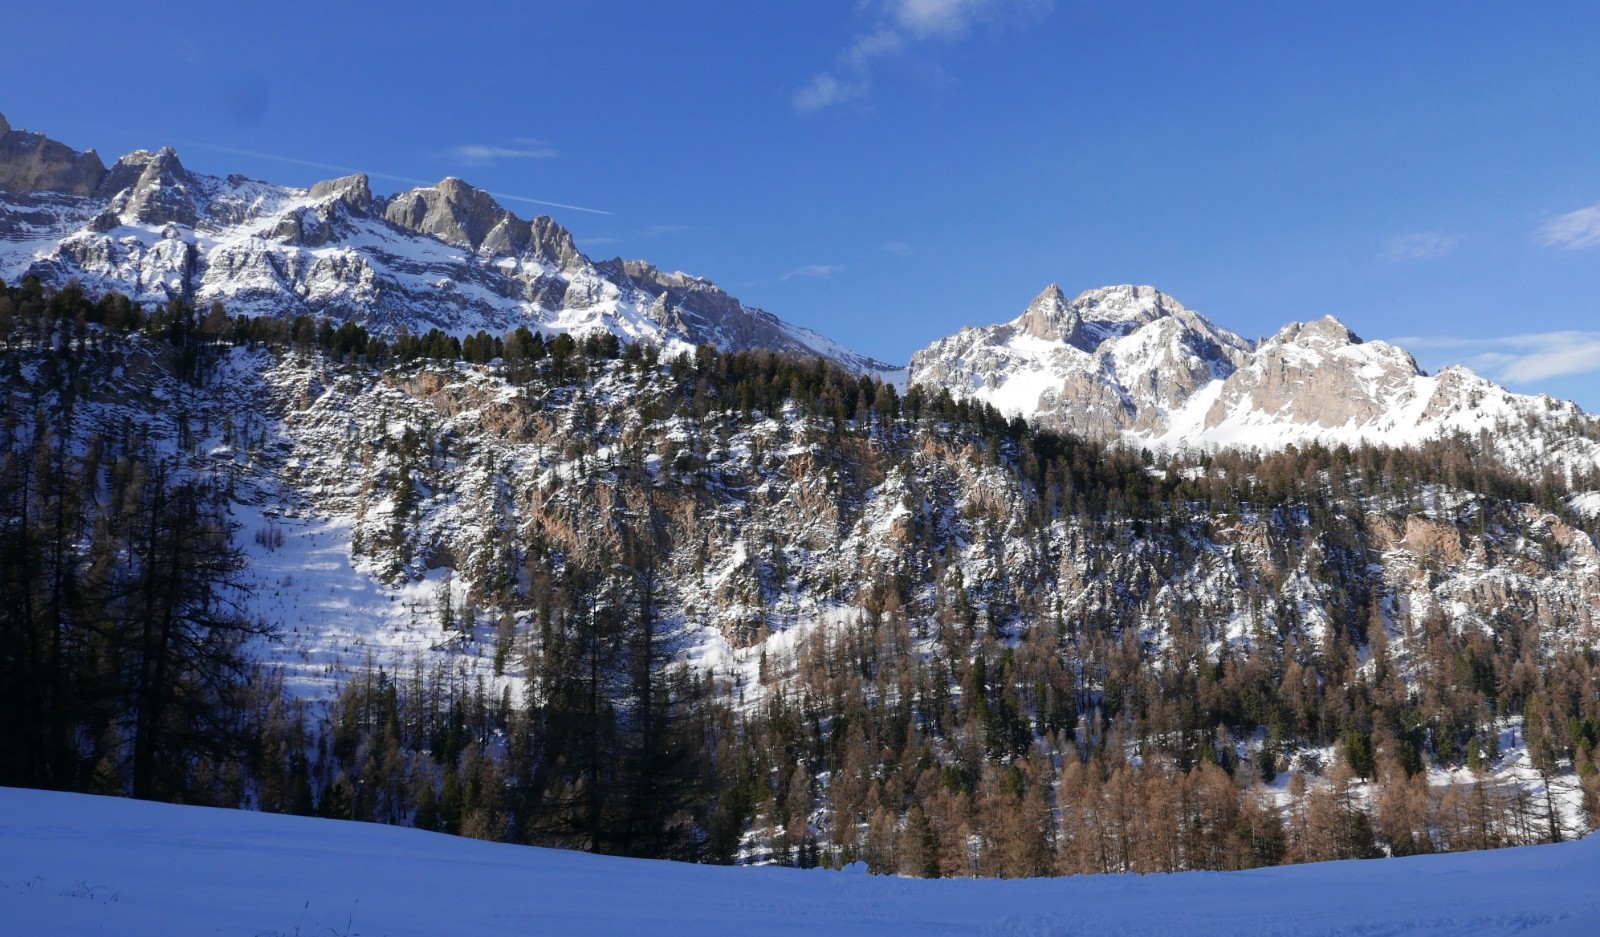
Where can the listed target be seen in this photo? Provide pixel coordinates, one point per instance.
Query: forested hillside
(751, 607)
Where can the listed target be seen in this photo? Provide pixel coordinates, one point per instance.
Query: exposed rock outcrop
(1319, 374)
(152, 188)
(1131, 363)
(354, 191)
(1051, 317)
(445, 256)
(32, 162)
(1112, 360)
(460, 214)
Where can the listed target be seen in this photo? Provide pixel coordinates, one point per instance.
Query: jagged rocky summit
(1119, 362)
(445, 256)
(1131, 362)
(32, 162)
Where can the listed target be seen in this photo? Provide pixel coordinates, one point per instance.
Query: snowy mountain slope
(374, 497)
(445, 256)
(76, 864)
(1320, 381)
(1111, 360)
(1130, 362)
(368, 499)
(808, 532)
(1126, 361)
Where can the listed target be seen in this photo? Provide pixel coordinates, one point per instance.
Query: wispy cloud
(1520, 359)
(295, 161)
(348, 170)
(1555, 362)
(812, 272)
(1574, 230)
(536, 201)
(899, 27)
(1419, 245)
(898, 248)
(475, 154)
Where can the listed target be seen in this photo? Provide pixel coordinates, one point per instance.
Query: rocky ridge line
(445, 256)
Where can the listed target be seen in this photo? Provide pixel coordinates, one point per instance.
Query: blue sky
(887, 171)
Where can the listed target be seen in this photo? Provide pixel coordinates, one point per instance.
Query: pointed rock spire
(1326, 331)
(1050, 316)
(152, 188)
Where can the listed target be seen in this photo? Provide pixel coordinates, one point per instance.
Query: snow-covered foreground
(74, 864)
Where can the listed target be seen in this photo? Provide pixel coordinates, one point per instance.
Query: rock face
(1132, 363)
(32, 162)
(1319, 374)
(445, 256)
(1127, 362)
(153, 188)
(458, 214)
(699, 306)
(1113, 359)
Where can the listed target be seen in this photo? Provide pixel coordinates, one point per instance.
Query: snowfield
(76, 864)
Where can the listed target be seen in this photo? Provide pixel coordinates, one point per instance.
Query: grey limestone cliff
(445, 256)
(31, 162)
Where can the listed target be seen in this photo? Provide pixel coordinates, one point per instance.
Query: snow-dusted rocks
(154, 189)
(461, 215)
(1131, 362)
(1112, 360)
(1319, 382)
(445, 256)
(1126, 362)
(1317, 374)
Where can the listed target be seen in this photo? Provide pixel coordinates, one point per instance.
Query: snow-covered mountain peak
(463, 215)
(1099, 314)
(1312, 344)
(1326, 329)
(1126, 303)
(1113, 359)
(1131, 362)
(354, 190)
(444, 256)
(1050, 316)
(153, 188)
(1324, 334)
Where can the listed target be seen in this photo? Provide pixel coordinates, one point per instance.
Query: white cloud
(539, 201)
(474, 154)
(870, 46)
(1574, 230)
(1520, 359)
(943, 18)
(901, 25)
(813, 272)
(1560, 358)
(826, 89)
(1419, 245)
(412, 180)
